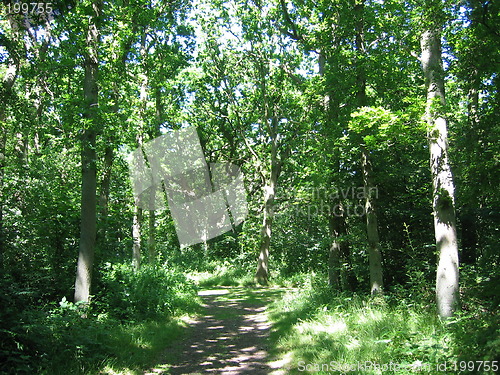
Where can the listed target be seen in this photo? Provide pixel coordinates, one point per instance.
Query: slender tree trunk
(340, 272)
(136, 237)
(3, 141)
(87, 217)
(269, 121)
(262, 273)
(138, 213)
(374, 253)
(151, 237)
(88, 156)
(359, 14)
(136, 227)
(8, 80)
(442, 180)
(340, 275)
(334, 255)
(152, 213)
(334, 252)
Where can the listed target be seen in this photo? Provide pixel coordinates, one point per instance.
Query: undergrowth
(122, 330)
(319, 331)
(222, 273)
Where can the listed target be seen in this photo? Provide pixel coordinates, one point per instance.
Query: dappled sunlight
(370, 316)
(348, 331)
(329, 325)
(231, 338)
(213, 292)
(278, 366)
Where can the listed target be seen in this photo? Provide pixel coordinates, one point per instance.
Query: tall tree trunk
(262, 273)
(143, 98)
(88, 155)
(442, 180)
(374, 253)
(152, 213)
(151, 237)
(8, 80)
(340, 272)
(340, 275)
(136, 226)
(334, 254)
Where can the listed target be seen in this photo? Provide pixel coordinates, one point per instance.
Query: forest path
(230, 338)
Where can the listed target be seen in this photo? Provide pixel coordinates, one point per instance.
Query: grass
(129, 348)
(223, 274)
(138, 346)
(123, 330)
(316, 331)
(313, 331)
(107, 346)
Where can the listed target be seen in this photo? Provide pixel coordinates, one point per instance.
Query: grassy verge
(316, 331)
(115, 348)
(222, 274)
(123, 330)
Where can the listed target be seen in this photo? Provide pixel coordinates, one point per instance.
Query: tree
(374, 252)
(443, 193)
(89, 157)
(8, 80)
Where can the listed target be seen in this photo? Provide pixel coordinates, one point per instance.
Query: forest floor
(230, 337)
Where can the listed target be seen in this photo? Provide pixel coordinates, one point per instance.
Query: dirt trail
(231, 338)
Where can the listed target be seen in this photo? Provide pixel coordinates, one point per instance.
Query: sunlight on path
(230, 339)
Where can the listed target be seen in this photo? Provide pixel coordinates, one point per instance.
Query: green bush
(130, 314)
(151, 292)
(17, 349)
(224, 273)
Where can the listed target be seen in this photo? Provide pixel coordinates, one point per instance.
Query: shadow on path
(231, 338)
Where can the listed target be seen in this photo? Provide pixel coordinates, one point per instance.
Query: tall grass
(318, 331)
(222, 273)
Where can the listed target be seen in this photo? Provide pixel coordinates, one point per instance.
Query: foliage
(151, 292)
(224, 275)
(128, 327)
(316, 326)
(252, 77)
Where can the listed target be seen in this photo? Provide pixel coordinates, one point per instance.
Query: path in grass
(230, 338)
